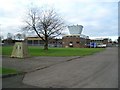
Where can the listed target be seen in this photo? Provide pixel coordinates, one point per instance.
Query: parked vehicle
(101, 45)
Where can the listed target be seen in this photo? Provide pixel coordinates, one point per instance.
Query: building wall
(74, 41)
(105, 41)
(55, 42)
(36, 41)
(101, 41)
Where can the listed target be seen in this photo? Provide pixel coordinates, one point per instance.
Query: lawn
(6, 50)
(7, 71)
(0, 50)
(38, 51)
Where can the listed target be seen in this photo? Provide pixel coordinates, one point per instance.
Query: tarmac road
(95, 71)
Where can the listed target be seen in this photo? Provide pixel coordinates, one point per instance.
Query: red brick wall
(76, 41)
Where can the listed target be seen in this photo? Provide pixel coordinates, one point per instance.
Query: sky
(98, 17)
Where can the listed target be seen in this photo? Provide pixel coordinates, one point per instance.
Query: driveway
(96, 71)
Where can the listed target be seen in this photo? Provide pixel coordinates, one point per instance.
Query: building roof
(33, 38)
(99, 38)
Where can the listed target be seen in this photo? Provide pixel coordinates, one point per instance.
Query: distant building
(100, 41)
(75, 41)
(66, 41)
(36, 41)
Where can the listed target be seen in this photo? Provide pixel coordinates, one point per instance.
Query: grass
(0, 50)
(63, 51)
(7, 71)
(7, 50)
(38, 51)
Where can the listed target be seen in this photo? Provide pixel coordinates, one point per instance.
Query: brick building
(75, 41)
(67, 41)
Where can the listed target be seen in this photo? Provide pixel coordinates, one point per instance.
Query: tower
(75, 39)
(75, 29)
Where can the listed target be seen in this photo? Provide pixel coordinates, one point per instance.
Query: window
(77, 42)
(60, 42)
(29, 41)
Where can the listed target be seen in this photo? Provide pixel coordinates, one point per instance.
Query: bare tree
(9, 36)
(23, 36)
(47, 24)
(19, 36)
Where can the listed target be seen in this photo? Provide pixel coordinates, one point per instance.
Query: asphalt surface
(31, 64)
(27, 65)
(15, 82)
(95, 71)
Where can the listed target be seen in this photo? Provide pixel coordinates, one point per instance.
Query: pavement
(28, 65)
(15, 82)
(95, 71)
(33, 63)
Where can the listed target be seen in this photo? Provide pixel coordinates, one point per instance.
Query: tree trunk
(46, 45)
(46, 40)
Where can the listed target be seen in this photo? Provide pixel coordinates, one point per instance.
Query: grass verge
(38, 51)
(7, 71)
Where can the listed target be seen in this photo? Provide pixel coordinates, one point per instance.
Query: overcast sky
(98, 17)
